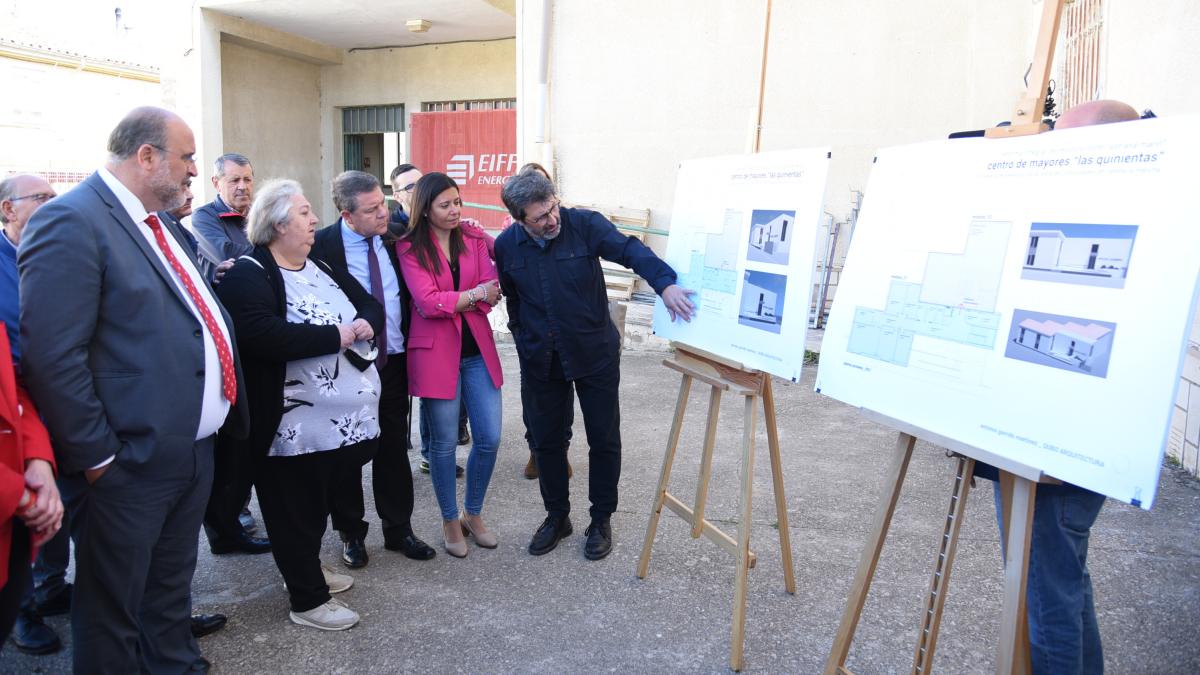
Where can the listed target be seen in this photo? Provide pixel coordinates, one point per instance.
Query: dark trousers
(18, 579)
(548, 402)
(135, 531)
(233, 476)
(391, 478)
(293, 493)
(570, 421)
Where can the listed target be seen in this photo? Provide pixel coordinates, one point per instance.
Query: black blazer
(252, 291)
(329, 246)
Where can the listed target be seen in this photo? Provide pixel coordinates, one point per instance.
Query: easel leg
(744, 526)
(894, 481)
(785, 535)
(710, 440)
(1013, 655)
(931, 620)
(685, 387)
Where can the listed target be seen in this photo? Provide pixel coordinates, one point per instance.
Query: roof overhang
(368, 24)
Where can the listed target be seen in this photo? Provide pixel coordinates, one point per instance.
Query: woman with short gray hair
(305, 335)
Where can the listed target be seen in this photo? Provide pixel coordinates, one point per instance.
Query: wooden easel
(723, 376)
(1018, 483)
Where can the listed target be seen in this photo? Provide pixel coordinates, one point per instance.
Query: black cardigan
(252, 292)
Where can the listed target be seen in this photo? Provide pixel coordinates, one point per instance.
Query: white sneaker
(336, 582)
(333, 615)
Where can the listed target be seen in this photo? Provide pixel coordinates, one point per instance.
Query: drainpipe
(543, 88)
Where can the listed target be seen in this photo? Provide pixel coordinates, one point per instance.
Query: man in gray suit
(130, 358)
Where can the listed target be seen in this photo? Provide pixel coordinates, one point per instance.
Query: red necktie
(228, 377)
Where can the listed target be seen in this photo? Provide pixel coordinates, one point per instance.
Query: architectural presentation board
(1031, 297)
(743, 231)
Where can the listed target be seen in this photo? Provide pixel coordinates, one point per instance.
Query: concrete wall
(410, 76)
(271, 114)
(286, 136)
(636, 87)
(1150, 56)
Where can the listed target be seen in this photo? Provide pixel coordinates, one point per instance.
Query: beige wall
(473, 70)
(57, 119)
(271, 114)
(1150, 54)
(631, 98)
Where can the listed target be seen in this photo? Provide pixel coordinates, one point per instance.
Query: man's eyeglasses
(189, 158)
(40, 197)
(406, 188)
(542, 219)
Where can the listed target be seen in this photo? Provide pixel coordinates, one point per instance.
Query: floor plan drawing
(955, 301)
(970, 279)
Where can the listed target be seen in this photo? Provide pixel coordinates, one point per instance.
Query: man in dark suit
(220, 226)
(358, 243)
(131, 360)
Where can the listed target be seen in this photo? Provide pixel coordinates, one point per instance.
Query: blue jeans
(423, 425)
(483, 409)
(1064, 638)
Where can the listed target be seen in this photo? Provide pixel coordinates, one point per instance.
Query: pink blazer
(435, 336)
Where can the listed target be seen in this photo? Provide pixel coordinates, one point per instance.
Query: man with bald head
(20, 196)
(1063, 634)
(130, 359)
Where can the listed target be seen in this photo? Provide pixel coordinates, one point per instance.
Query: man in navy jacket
(549, 265)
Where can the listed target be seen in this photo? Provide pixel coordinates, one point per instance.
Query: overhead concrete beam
(509, 7)
(257, 36)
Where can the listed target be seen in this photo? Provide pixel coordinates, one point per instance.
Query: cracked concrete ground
(503, 611)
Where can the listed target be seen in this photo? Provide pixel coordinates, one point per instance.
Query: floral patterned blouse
(327, 402)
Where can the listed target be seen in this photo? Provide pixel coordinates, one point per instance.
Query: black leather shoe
(552, 530)
(200, 665)
(411, 547)
(599, 540)
(464, 435)
(243, 543)
(207, 624)
(354, 554)
(31, 635)
(59, 603)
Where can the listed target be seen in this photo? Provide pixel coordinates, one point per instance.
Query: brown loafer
(531, 471)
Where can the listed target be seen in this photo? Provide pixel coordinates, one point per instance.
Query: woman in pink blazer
(451, 354)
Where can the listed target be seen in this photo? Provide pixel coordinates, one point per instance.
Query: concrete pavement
(505, 611)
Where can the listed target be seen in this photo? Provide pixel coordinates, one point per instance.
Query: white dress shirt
(355, 246)
(214, 407)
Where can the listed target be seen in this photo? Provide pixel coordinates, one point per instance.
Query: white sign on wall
(743, 231)
(1028, 296)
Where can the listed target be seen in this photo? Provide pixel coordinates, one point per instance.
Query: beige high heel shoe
(458, 549)
(484, 538)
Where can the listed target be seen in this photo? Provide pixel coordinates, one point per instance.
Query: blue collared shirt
(555, 292)
(10, 305)
(356, 260)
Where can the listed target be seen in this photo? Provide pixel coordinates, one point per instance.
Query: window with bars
(1079, 76)
(482, 104)
(373, 119)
